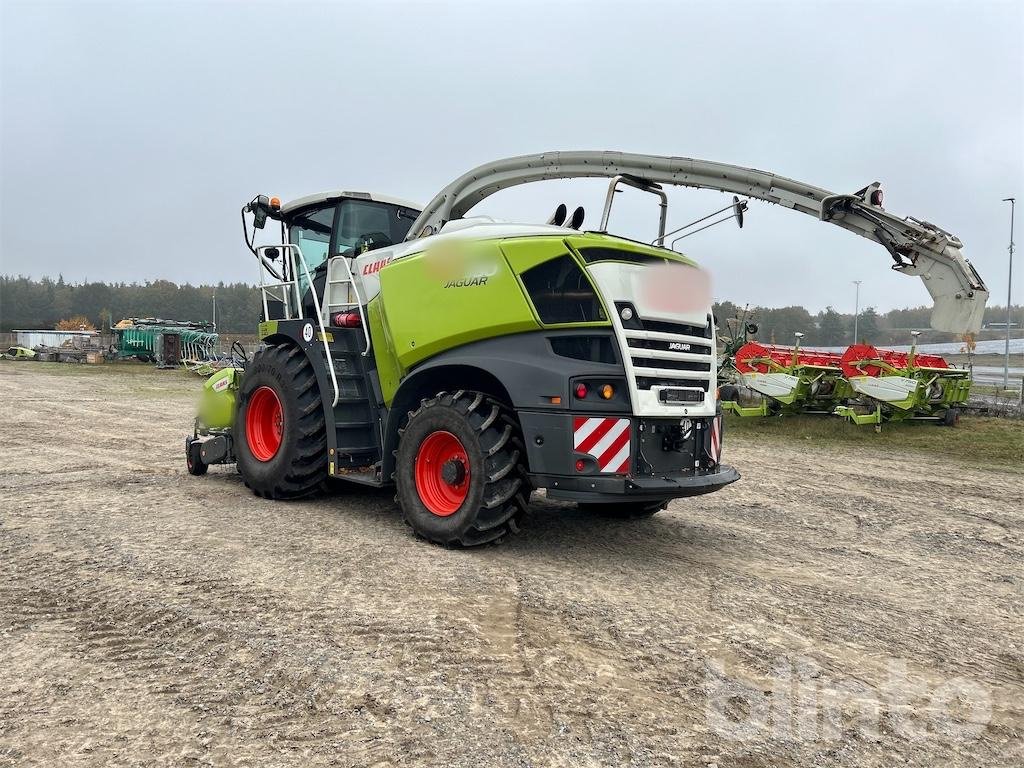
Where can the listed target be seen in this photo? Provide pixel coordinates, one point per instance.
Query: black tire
(194, 461)
(728, 392)
(951, 417)
(626, 510)
(299, 467)
(497, 493)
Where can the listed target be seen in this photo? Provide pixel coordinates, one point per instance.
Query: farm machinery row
(862, 384)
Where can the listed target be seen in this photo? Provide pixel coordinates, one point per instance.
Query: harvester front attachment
(789, 380)
(895, 386)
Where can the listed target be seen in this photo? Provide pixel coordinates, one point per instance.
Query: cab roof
(323, 197)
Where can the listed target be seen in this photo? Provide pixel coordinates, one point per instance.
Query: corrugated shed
(33, 339)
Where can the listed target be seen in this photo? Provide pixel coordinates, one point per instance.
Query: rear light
(581, 390)
(348, 320)
(607, 391)
(579, 465)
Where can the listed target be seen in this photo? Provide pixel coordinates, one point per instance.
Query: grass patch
(975, 439)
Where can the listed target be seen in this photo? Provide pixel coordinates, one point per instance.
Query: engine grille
(665, 354)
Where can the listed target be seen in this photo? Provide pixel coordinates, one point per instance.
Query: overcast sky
(133, 132)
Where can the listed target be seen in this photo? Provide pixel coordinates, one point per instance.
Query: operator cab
(332, 224)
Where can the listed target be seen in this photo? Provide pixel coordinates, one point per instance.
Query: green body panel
(219, 399)
(389, 372)
(460, 292)
(523, 254)
(436, 301)
(731, 406)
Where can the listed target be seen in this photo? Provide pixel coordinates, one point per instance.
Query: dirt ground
(844, 607)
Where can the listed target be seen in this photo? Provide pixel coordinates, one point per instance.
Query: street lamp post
(1009, 296)
(856, 309)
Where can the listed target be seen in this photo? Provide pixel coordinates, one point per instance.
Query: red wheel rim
(442, 473)
(264, 424)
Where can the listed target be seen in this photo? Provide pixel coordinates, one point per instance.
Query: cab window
(365, 225)
(311, 231)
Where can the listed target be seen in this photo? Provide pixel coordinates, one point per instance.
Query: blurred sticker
(676, 288)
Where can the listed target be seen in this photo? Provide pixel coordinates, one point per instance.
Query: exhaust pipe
(558, 217)
(576, 220)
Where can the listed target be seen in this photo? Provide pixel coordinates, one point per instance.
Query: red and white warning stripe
(716, 439)
(607, 440)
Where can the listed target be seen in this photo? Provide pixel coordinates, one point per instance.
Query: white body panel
(888, 389)
(774, 385)
(623, 282)
(323, 197)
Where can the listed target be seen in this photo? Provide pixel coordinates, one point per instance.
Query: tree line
(36, 304)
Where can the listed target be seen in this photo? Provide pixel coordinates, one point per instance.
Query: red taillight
(579, 465)
(581, 390)
(348, 320)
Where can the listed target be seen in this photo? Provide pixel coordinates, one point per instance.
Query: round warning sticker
(307, 332)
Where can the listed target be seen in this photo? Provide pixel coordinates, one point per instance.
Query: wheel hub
(442, 473)
(453, 472)
(264, 424)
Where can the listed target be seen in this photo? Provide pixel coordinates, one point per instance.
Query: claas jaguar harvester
(469, 361)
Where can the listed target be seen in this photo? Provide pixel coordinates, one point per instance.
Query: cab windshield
(348, 227)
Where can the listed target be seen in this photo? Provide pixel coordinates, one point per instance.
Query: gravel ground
(832, 608)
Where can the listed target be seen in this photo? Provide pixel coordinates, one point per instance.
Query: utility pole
(856, 309)
(215, 310)
(1009, 296)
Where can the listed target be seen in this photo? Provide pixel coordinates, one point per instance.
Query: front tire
(280, 432)
(194, 460)
(459, 477)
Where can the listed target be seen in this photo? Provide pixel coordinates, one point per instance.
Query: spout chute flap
(916, 247)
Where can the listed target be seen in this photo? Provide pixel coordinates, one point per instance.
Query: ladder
(287, 283)
(342, 293)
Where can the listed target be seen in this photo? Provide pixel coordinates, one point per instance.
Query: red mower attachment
(898, 360)
(767, 358)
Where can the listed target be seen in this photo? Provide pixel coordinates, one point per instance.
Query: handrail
(359, 301)
(301, 261)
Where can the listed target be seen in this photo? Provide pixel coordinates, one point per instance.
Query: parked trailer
(166, 342)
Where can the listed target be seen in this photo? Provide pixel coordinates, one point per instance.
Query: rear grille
(643, 382)
(675, 365)
(667, 354)
(678, 329)
(668, 346)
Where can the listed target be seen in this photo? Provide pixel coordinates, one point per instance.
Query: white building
(33, 339)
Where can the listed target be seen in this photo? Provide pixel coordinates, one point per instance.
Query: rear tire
(281, 447)
(627, 510)
(951, 417)
(459, 477)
